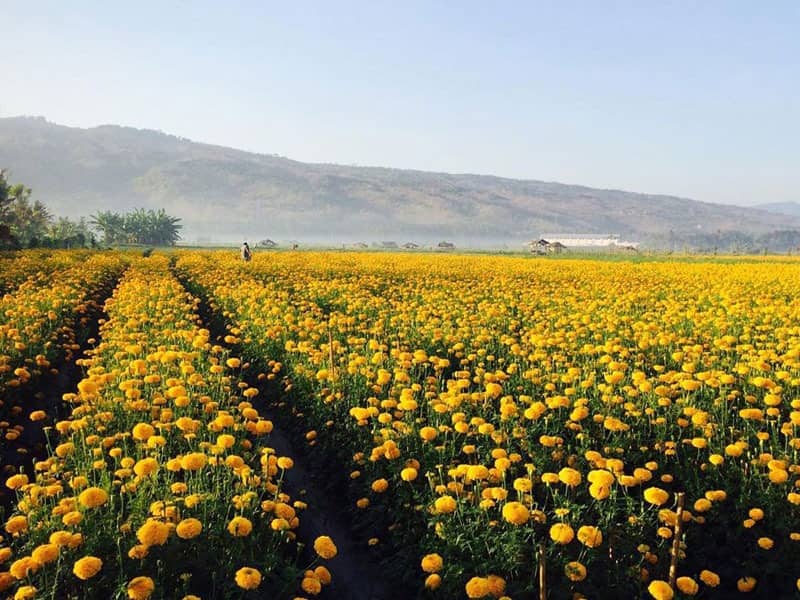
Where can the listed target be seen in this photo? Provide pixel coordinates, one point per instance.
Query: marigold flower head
(311, 585)
(687, 585)
(87, 567)
(140, 588)
(189, 528)
(93, 497)
(240, 527)
(590, 536)
(477, 587)
(516, 513)
(248, 578)
(432, 563)
(575, 571)
(561, 533)
(660, 590)
(325, 547)
(746, 584)
(153, 533)
(655, 495)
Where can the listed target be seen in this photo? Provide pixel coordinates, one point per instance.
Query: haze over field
(224, 194)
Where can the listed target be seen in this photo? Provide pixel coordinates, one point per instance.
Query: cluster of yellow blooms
(507, 411)
(42, 322)
(159, 484)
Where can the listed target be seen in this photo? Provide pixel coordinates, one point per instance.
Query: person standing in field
(246, 252)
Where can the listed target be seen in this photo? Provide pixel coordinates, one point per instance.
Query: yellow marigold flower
(153, 533)
(194, 461)
(687, 585)
(702, 505)
(60, 538)
(139, 551)
(590, 536)
(497, 585)
(24, 566)
(26, 592)
(322, 574)
(599, 491)
(477, 587)
(38, 415)
(746, 584)
(778, 476)
(189, 528)
(379, 486)
(140, 588)
(93, 497)
(284, 462)
(5, 554)
(17, 524)
(444, 504)
(575, 571)
(325, 547)
(233, 363)
(561, 533)
(46, 553)
(523, 484)
(142, 431)
(570, 477)
(87, 567)
(655, 495)
(660, 590)
(434, 580)
(428, 433)
(72, 518)
(550, 478)
(145, 467)
(765, 543)
(756, 514)
(432, 563)
(226, 440)
(16, 481)
(408, 474)
(248, 578)
(311, 585)
(710, 578)
(516, 513)
(240, 527)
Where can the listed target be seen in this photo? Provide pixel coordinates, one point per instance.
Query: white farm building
(597, 241)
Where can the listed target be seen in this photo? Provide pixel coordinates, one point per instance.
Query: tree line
(26, 223)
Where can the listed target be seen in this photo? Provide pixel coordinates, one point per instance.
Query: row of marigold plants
(515, 416)
(43, 324)
(160, 483)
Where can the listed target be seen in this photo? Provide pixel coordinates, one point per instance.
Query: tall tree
(111, 225)
(29, 221)
(139, 226)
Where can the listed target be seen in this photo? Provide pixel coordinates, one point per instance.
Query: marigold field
(487, 426)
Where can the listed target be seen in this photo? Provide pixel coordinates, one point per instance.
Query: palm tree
(111, 225)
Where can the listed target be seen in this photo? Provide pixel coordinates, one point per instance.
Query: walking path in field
(355, 574)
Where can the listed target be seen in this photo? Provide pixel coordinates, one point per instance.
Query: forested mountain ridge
(226, 194)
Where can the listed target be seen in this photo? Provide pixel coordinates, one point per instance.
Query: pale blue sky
(698, 99)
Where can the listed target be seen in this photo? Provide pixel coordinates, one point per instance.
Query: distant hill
(781, 208)
(225, 194)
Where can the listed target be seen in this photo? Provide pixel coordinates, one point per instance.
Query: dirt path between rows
(355, 573)
(355, 576)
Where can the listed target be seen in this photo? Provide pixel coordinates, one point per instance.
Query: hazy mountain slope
(229, 194)
(782, 208)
